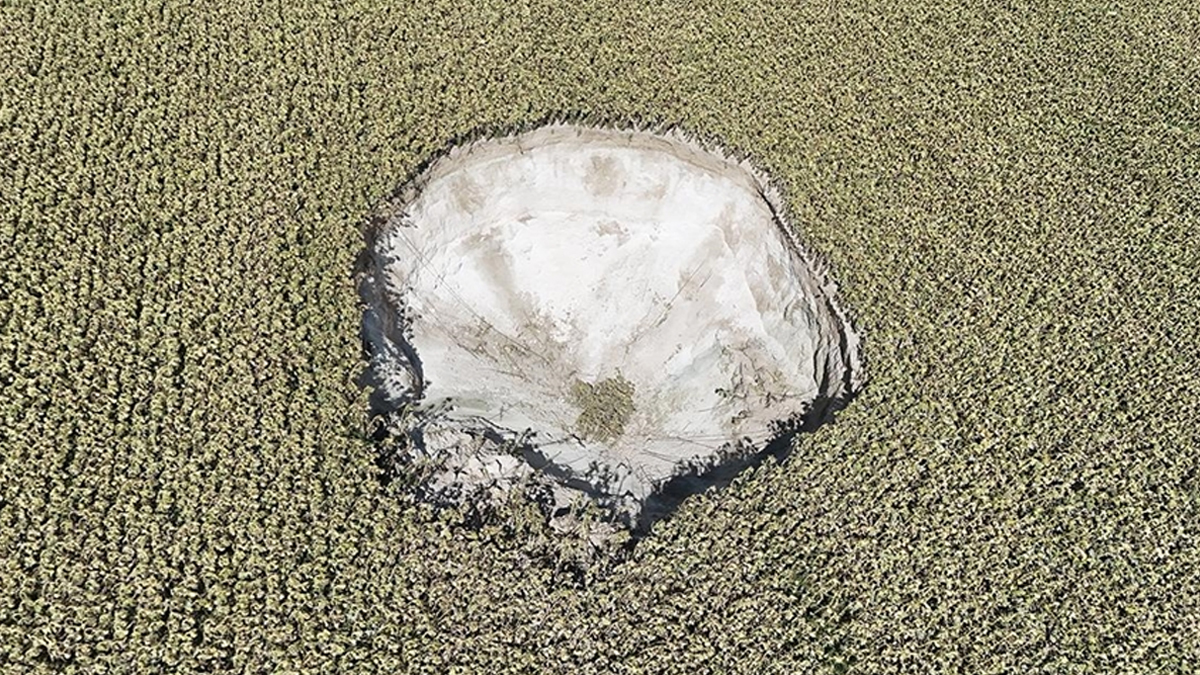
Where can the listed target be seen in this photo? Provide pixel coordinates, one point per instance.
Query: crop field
(1009, 194)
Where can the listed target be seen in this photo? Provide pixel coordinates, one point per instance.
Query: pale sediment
(614, 314)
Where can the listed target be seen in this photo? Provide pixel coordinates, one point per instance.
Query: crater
(514, 343)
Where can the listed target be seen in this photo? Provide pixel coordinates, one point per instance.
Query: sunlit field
(1009, 198)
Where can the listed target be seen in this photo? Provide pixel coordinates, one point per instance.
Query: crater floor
(599, 310)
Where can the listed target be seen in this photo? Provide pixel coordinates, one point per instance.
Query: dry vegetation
(1008, 195)
(606, 407)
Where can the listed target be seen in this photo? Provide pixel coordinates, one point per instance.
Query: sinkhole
(618, 315)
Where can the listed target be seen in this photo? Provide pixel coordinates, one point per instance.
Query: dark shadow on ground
(664, 501)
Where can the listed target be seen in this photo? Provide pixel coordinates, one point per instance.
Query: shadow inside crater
(673, 492)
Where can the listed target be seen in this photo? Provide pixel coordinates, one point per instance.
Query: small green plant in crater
(605, 407)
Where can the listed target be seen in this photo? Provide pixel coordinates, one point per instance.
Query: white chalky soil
(518, 266)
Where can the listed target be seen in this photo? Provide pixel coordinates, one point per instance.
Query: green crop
(1007, 192)
(605, 407)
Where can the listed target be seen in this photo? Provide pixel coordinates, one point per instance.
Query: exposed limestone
(598, 311)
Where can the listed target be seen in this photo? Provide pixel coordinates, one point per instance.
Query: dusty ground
(1009, 199)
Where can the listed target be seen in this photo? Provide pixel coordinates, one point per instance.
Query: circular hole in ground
(620, 317)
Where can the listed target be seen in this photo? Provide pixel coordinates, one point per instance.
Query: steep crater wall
(618, 315)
